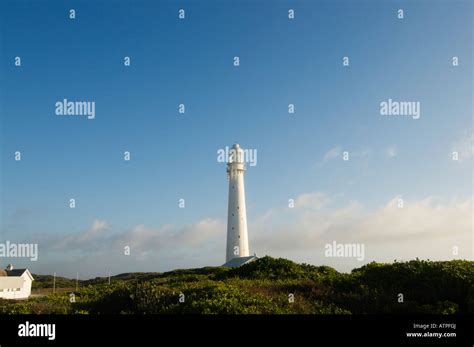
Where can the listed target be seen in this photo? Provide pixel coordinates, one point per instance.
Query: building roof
(15, 272)
(239, 261)
(18, 273)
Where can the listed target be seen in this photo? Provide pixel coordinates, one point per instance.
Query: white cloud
(99, 249)
(98, 230)
(427, 228)
(143, 238)
(99, 227)
(333, 153)
(338, 151)
(313, 200)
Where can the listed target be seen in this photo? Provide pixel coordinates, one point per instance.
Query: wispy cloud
(388, 232)
(140, 238)
(314, 200)
(427, 221)
(464, 147)
(337, 152)
(391, 151)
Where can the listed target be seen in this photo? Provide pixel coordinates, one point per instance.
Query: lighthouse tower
(237, 237)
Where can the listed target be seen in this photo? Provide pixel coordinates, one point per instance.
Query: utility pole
(54, 283)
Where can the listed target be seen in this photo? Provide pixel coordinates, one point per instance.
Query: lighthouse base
(239, 261)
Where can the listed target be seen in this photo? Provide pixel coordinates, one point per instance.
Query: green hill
(46, 281)
(267, 286)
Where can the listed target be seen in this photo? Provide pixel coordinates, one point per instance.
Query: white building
(15, 283)
(237, 251)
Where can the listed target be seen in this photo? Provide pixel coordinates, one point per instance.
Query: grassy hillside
(267, 286)
(46, 281)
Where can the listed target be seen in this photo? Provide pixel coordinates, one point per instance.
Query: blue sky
(174, 155)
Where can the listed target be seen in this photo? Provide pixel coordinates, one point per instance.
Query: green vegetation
(265, 286)
(46, 282)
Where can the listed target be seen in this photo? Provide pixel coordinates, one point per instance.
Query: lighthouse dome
(236, 154)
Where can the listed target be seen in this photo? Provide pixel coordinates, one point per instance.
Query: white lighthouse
(237, 251)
